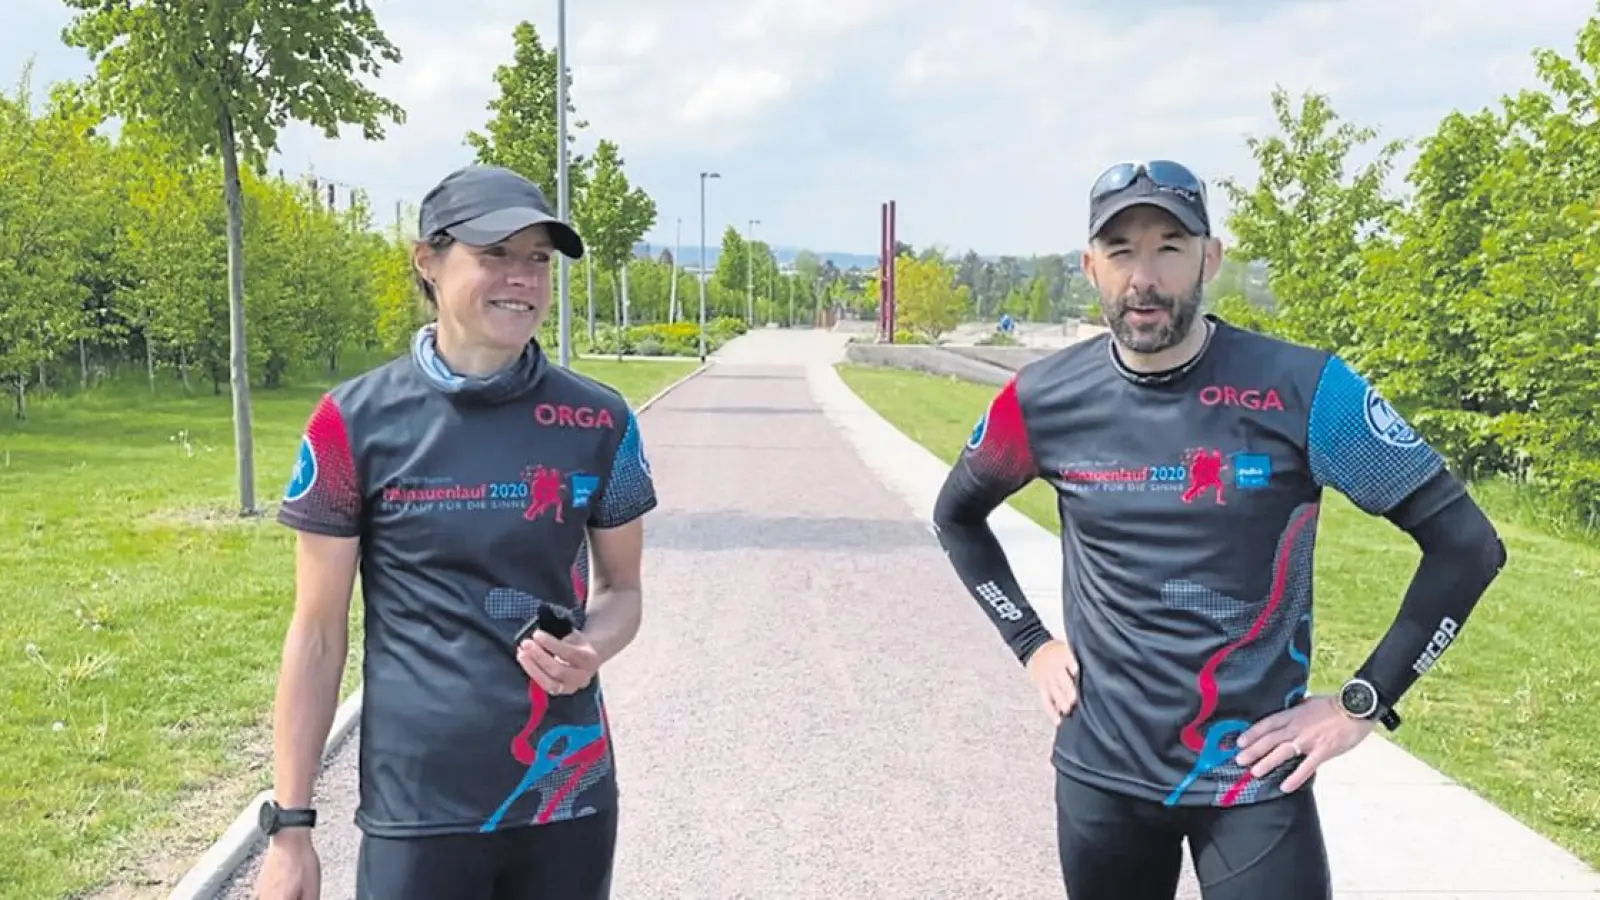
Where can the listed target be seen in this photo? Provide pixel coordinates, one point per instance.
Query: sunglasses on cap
(1163, 173)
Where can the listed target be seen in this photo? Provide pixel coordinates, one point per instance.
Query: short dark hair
(437, 244)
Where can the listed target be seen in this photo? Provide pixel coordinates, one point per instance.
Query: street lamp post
(563, 185)
(703, 177)
(749, 273)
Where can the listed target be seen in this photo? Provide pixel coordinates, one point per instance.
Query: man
(1189, 458)
(492, 505)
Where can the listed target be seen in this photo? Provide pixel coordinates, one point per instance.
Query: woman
(476, 486)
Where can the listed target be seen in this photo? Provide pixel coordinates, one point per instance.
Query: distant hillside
(691, 255)
(845, 261)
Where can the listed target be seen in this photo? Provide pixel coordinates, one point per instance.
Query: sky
(985, 122)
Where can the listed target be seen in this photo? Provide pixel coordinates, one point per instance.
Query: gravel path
(814, 708)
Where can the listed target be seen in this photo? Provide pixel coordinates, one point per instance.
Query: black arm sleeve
(996, 463)
(1461, 555)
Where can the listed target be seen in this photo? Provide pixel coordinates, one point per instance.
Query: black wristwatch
(275, 818)
(1360, 700)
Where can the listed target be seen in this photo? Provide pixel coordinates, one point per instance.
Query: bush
(662, 339)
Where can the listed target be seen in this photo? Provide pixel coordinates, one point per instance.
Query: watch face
(1358, 699)
(269, 818)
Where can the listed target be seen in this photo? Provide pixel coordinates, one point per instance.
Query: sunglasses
(1163, 173)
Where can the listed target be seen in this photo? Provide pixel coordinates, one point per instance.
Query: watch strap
(297, 818)
(1387, 717)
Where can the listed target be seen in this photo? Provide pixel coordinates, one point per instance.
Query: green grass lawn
(141, 624)
(1510, 711)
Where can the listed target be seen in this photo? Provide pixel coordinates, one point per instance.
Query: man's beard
(1161, 336)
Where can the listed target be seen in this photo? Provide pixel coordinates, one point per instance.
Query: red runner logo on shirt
(1204, 468)
(545, 489)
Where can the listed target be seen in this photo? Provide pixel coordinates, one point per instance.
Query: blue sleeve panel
(630, 491)
(1361, 447)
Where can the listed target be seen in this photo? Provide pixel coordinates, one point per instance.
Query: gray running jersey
(1189, 512)
(472, 513)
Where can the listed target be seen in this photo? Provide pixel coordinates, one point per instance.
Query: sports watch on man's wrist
(275, 818)
(1360, 700)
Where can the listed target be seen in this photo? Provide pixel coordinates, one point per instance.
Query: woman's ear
(423, 259)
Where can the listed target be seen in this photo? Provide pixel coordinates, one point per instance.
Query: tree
(54, 188)
(223, 80)
(928, 302)
(615, 214)
(1305, 220)
(175, 258)
(731, 274)
(523, 132)
(1474, 306)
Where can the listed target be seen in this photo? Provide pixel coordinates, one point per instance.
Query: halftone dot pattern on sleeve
(630, 492)
(323, 495)
(998, 448)
(1360, 446)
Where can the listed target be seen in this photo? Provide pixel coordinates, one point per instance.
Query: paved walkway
(815, 709)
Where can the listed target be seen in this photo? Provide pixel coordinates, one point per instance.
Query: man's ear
(1212, 251)
(1087, 261)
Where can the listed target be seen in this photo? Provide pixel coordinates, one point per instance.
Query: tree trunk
(588, 271)
(22, 397)
(83, 365)
(627, 311)
(616, 312)
(238, 367)
(150, 361)
(183, 369)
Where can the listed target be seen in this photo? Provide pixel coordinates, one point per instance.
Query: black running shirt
(471, 514)
(1189, 511)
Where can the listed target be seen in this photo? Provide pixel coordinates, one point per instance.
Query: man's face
(1151, 274)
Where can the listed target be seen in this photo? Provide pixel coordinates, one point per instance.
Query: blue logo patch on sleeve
(978, 431)
(583, 486)
(1252, 471)
(305, 472)
(1386, 424)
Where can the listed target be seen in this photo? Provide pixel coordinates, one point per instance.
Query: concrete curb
(213, 869)
(675, 385)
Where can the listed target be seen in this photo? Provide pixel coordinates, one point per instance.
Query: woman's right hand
(291, 870)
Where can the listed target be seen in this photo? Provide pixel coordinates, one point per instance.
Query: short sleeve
(1361, 447)
(324, 496)
(998, 452)
(630, 491)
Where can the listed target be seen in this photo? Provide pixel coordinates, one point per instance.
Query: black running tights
(1115, 847)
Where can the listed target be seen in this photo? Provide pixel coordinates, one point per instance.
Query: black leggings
(1115, 847)
(568, 860)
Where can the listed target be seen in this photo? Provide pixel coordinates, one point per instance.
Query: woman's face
(493, 297)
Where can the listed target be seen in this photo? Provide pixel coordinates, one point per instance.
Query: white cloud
(733, 95)
(985, 121)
